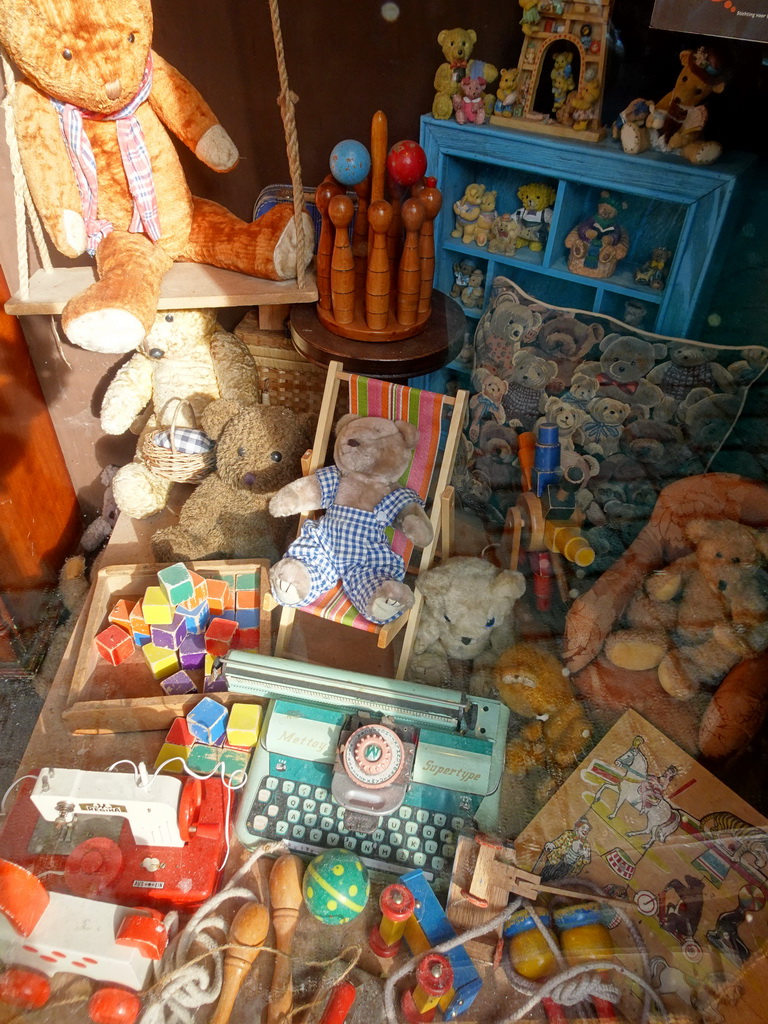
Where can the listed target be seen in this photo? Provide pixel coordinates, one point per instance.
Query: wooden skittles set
(375, 254)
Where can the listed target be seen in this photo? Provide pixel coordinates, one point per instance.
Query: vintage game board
(642, 819)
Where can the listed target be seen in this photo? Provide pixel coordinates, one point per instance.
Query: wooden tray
(127, 698)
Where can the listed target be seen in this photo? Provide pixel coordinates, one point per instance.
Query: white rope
(23, 205)
(184, 983)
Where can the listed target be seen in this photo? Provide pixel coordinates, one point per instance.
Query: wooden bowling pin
(341, 211)
(397, 195)
(378, 154)
(286, 899)
(360, 232)
(377, 280)
(249, 930)
(409, 273)
(432, 200)
(324, 193)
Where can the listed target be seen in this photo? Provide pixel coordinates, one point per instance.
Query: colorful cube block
(161, 661)
(141, 638)
(137, 620)
(171, 635)
(219, 636)
(176, 583)
(207, 720)
(179, 733)
(219, 596)
(174, 754)
(178, 683)
(155, 607)
(215, 684)
(201, 586)
(234, 760)
(203, 758)
(243, 725)
(247, 581)
(247, 599)
(247, 640)
(197, 614)
(114, 644)
(121, 615)
(209, 660)
(247, 618)
(192, 651)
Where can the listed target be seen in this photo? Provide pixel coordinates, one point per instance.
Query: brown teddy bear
(534, 685)
(258, 450)
(94, 116)
(703, 614)
(466, 616)
(362, 497)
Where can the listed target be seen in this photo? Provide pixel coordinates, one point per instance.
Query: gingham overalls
(349, 544)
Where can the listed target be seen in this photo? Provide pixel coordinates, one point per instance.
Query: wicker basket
(285, 377)
(172, 464)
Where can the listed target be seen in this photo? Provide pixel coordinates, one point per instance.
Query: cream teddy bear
(467, 615)
(186, 357)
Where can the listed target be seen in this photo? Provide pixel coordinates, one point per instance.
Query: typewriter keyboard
(309, 820)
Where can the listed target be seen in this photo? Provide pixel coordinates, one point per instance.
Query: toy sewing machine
(389, 769)
(120, 836)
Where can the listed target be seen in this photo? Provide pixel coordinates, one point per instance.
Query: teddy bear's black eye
(241, 451)
(719, 554)
(131, 37)
(446, 618)
(735, 560)
(66, 54)
(169, 318)
(490, 623)
(276, 457)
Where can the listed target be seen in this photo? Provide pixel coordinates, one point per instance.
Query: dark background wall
(344, 61)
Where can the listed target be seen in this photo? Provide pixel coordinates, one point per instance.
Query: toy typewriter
(388, 769)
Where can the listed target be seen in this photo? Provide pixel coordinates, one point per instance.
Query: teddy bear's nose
(156, 353)
(113, 89)
(352, 443)
(466, 640)
(722, 585)
(249, 479)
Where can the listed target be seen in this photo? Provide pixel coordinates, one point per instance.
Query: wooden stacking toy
(375, 264)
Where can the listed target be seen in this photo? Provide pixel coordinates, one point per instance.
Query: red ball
(113, 1005)
(406, 162)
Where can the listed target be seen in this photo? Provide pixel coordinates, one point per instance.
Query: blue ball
(350, 162)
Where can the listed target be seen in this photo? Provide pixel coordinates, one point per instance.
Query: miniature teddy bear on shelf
(467, 616)
(485, 404)
(362, 498)
(94, 116)
(488, 214)
(562, 78)
(703, 614)
(467, 210)
(597, 244)
(676, 123)
(506, 93)
(581, 108)
(457, 45)
(534, 216)
(468, 103)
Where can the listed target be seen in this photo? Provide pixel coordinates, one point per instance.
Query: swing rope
(287, 102)
(22, 198)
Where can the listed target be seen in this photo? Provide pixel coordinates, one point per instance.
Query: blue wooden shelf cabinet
(670, 203)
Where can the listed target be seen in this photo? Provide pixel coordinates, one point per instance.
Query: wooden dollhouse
(561, 71)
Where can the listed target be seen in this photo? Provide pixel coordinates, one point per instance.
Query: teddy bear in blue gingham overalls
(349, 544)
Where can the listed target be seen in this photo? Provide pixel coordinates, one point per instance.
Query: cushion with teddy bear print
(634, 411)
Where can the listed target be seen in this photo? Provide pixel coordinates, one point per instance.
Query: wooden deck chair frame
(440, 513)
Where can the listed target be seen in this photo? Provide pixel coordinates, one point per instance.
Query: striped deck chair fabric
(370, 397)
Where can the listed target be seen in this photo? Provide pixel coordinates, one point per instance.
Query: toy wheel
(19, 987)
(189, 807)
(23, 898)
(93, 866)
(114, 1006)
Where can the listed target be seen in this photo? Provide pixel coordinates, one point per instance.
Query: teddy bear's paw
(217, 150)
(75, 233)
(108, 330)
(634, 138)
(634, 650)
(430, 668)
(675, 677)
(285, 256)
(138, 492)
(390, 600)
(289, 581)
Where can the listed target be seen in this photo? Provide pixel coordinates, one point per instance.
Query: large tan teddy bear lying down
(92, 116)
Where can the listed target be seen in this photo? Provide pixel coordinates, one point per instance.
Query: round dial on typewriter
(374, 756)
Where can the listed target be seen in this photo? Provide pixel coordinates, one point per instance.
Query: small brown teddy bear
(703, 614)
(258, 450)
(362, 498)
(466, 616)
(533, 684)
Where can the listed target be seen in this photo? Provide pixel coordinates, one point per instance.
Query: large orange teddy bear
(93, 115)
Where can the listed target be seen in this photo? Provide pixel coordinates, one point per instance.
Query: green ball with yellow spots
(335, 886)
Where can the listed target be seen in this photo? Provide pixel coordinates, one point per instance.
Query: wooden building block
(121, 615)
(178, 683)
(219, 636)
(114, 644)
(155, 607)
(207, 721)
(176, 583)
(171, 635)
(161, 661)
(244, 725)
(219, 596)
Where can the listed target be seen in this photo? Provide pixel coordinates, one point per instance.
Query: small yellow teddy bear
(457, 45)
